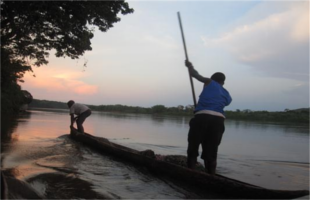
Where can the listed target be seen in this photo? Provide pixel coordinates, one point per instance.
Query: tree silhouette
(31, 29)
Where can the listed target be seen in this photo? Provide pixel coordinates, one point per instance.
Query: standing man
(207, 126)
(82, 113)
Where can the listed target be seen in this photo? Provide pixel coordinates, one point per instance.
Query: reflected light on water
(249, 152)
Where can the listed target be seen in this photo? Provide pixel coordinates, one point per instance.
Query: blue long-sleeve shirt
(213, 97)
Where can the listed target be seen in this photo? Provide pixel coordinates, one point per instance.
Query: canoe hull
(220, 184)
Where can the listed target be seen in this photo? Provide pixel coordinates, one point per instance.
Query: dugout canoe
(221, 184)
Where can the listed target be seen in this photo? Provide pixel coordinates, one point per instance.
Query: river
(37, 150)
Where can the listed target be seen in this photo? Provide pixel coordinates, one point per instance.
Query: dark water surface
(38, 151)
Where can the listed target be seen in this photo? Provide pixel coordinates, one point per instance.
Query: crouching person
(82, 113)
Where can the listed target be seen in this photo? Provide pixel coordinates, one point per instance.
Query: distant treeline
(157, 109)
(47, 104)
(293, 116)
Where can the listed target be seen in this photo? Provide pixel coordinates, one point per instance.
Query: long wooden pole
(186, 56)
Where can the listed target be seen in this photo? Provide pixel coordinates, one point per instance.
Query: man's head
(218, 77)
(70, 103)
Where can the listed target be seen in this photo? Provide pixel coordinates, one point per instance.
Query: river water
(37, 150)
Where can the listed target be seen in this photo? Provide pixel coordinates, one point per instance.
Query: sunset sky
(261, 46)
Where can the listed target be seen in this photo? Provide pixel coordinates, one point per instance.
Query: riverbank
(288, 116)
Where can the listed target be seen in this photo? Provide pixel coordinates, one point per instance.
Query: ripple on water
(73, 170)
(58, 162)
(66, 186)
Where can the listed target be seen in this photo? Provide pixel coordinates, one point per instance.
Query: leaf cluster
(31, 28)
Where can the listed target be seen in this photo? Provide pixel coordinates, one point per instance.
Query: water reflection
(156, 119)
(258, 153)
(9, 125)
(160, 120)
(8, 130)
(288, 129)
(57, 167)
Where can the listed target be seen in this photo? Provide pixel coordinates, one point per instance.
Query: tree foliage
(31, 29)
(158, 109)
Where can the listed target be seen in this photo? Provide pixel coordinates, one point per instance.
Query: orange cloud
(86, 89)
(60, 80)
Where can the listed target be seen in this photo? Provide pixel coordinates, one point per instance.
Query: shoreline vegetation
(289, 116)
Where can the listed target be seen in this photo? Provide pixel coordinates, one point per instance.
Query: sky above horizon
(261, 46)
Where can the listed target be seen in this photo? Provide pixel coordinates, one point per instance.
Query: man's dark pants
(207, 130)
(80, 120)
